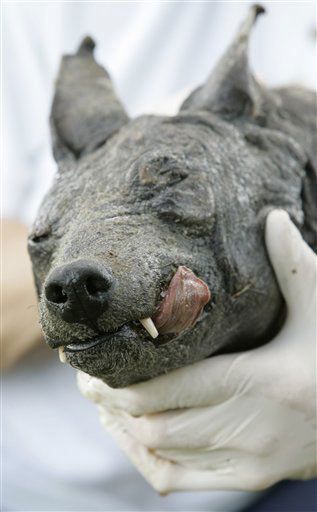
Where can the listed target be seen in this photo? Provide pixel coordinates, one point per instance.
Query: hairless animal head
(148, 249)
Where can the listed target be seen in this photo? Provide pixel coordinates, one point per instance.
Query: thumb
(293, 261)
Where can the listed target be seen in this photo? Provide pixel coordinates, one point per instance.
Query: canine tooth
(149, 326)
(61, 354)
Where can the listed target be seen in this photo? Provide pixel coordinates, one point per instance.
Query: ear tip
(258, 9)
(86, 46)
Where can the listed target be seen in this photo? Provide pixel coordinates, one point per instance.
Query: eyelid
(40, 235)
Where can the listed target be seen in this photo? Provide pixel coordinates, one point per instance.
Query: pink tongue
(183, 303)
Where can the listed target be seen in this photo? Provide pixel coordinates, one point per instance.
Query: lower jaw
(127, 356)
(120, 359)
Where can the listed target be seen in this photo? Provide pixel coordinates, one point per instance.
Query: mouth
(131, 328)
(178, 311)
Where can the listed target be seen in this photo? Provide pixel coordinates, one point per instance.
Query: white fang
(61, 354)
(149, 326)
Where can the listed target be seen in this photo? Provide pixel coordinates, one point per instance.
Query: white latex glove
(238, 421)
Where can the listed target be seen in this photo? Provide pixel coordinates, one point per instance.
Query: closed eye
(175, 192)
(161, 171)
(40, 236)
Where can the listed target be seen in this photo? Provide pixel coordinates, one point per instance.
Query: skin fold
(138, 199)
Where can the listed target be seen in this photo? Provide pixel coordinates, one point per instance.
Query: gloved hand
(238, 421)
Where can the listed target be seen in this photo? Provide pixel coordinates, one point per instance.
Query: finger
(250, 472)
(293, 261)
(90, 387)
(201, 459)
(246, 476)
(98, 391)
(207, 382)
(157, 471)
(231, 473)
(237, 424)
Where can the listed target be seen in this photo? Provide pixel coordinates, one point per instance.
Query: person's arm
(238, 421)
(19, 314)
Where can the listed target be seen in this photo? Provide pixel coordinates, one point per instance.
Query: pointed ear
(85, 110)
(231, 91)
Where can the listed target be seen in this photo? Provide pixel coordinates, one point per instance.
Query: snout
(79, 292)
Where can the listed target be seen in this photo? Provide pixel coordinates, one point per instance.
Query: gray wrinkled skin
(142, 197)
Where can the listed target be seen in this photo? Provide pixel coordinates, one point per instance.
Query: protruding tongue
(183, 303)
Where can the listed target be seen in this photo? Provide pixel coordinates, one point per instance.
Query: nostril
(79, 292)
(97, 285)
(55, 293)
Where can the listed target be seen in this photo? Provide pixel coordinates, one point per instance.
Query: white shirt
(56, 454)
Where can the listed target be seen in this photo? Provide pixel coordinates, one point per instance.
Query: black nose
(79, 292)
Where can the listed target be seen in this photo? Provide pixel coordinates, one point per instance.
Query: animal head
(158, 221)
